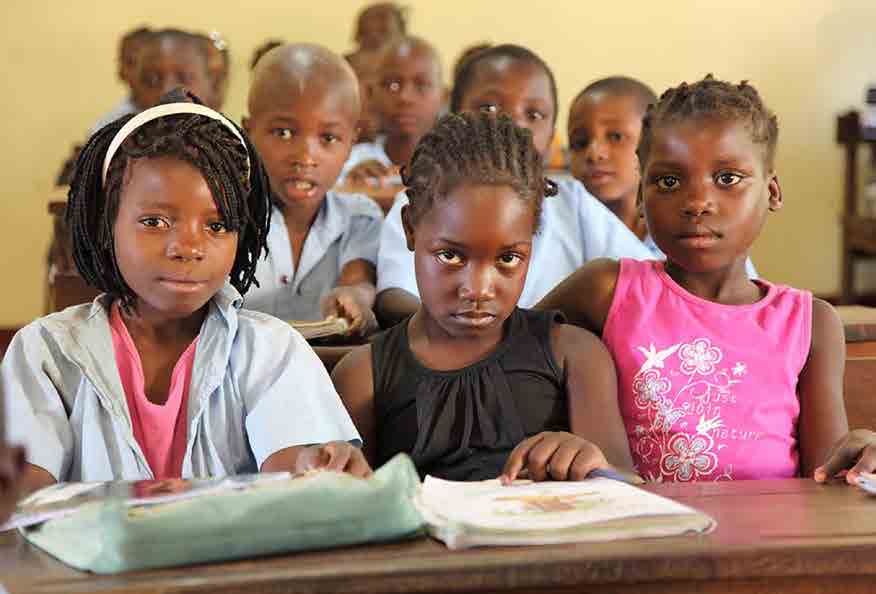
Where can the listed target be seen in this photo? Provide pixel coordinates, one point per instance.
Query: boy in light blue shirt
(303, 109)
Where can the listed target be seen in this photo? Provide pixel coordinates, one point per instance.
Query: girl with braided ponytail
(471, 386)
(163, 375)
(721, 377)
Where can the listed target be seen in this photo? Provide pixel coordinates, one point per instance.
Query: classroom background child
(164, 375)
(574, 227)
(699, 397)
(322, 246)
(470, 376)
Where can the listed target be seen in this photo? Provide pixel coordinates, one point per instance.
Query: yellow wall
(810, 59)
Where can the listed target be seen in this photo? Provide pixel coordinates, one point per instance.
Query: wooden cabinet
(859, 231)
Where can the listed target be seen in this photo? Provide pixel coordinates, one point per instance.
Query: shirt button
(285, 279)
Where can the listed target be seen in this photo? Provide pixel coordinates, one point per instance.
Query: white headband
(160, 111)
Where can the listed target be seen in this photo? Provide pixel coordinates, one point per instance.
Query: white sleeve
(605, 235)
(395, 262)
(34, 411)
(289, 397)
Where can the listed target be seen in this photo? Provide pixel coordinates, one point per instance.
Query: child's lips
(599, 176)
(474, 319)
(301, 188)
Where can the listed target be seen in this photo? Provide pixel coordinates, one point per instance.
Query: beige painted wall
(810, 59)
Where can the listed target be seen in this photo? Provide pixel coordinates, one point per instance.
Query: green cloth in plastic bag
(318, 511)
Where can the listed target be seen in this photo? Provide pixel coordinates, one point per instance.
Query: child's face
(706, 192)
(171, 244)
(408, 92)
(519, 89)
(166, 64)
(471, 254)
(604, 131)
(376, 26)
(128, 59)
(304, 136)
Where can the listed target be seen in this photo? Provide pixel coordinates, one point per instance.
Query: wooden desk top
(859, 322)
(772, 536)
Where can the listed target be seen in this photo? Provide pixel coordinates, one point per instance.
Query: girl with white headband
(163, 375)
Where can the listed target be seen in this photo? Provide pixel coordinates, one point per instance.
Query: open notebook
(328, 327)
(599, 509)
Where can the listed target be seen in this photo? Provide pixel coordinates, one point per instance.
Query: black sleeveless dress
(463, 424)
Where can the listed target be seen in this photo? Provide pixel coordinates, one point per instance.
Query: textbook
(465, 515)
(867, 482)
(233, 518)
(330, 326)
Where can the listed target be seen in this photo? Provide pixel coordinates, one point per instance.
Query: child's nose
(302, 151)
(186, 243)
(697, 201)
(478, 285)
(595, 151)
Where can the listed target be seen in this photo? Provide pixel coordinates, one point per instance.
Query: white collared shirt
(256, 388)
(346, 228)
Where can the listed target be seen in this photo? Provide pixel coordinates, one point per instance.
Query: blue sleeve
(362, 238)
(395, 262)
(34, 410)
(289, 397)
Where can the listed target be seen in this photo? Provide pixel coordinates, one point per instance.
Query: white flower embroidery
(689, 457)
(739, 369)
(704, 426)
(649, 388)
(653, 357)
(699, 357)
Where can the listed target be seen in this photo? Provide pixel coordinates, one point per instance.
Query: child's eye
(218, 227)
(615, 136)
(578, 144)
(728, 179)
(423, 86)
(534, 115)
(154, 222)
(282, 133)
(393, 86)
(490, 108)
(510, 260)
(330, 138)
(449, 257)
(667, 182)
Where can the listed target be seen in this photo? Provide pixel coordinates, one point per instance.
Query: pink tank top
(707, 391)
(160, 429)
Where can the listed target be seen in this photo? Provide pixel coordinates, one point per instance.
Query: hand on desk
(12, 470)
(553, 455)
(373, 174)
(335, 455)
(856, 453)
(353, 303)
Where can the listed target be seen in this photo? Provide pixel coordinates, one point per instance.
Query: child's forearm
(394, 305)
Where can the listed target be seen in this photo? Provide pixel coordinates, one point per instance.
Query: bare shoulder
(826, 323)
(572, 343)
(352, 375)
(585, 296)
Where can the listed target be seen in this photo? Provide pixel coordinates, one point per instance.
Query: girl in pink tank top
(719, 377)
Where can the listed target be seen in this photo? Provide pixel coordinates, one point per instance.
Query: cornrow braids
(240, 193)
(712, 98)
(475, 149)
(465, 71)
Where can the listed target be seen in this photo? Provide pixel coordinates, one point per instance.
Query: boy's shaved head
(293, 69)
(621, 86)
(409, 45)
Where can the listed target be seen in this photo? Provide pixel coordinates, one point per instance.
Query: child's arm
(353, 297)
(585, 296)
(820, 388)
(13, 469)
(394, 305)
(598, 438)
(339, 456)
(354, 381)
(371, 174)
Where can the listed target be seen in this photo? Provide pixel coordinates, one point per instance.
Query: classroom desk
(773, 536)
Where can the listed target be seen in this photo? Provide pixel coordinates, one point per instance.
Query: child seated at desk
(164, 60)
(163, 375)
(408, 94)
(574, 226)
(720, 376)
(471, 386)
(322, 245)
(604, 127)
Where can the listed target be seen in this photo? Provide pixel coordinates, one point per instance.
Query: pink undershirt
(160, 429)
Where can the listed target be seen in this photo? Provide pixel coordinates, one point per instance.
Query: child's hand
(372, 174)
(334, 455)
(553, 455)
(856, 452)
(353, 304)
(12, 468)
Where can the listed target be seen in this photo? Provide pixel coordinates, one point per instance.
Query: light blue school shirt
(366, 151)
(575, 227)
(124, 108)
(346, 228)
(657, 254)
(256, 388)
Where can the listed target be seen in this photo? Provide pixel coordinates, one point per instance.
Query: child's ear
(408, 226)
(775, 191)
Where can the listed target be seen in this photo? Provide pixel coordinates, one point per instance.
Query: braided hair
(464, 72)
(474, 148)
(718, 99)
(240, 193)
